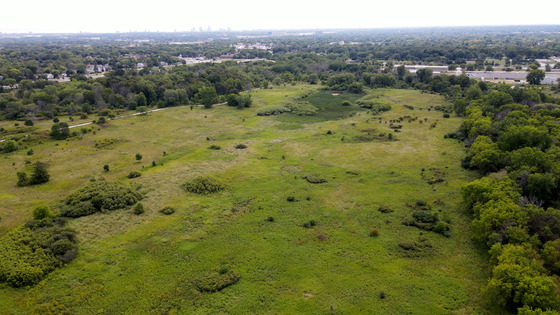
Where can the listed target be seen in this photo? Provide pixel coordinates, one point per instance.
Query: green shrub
(216, 281)
(273, 110)
(39, 175)
(106, 168)
(41, 212)
(28, 122)
(302, 108)
(30, 252)
(99, 195)
(167, 210)
(9, 146)
(138, 156)
(314, 179)
(241, 146)
(134, 174)
(214, 147)
(138, 208)
(204, 185)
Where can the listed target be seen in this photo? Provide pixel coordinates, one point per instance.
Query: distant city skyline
(104, 16)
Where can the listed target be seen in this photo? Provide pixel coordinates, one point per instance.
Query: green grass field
(150, 263)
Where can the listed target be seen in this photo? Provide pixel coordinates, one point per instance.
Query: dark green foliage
(28, 122)
(241, 146)
(134, 174)
(518, 279)
(291, 199)
(106, 167)
(30, 252)
(269, 219)
(60, 131)
(214, 147)
(167, 210)
(39, 175)
(102, 120)
(138, 156)
(216, 280)
(204, 185)
(302, 108)
(314, 179)
(41, 212)
(9, 146)
(138, 208)
(375, 105)
(309, 224)
(273, 110)
(385, 209)
(99, 195)
(30, 152)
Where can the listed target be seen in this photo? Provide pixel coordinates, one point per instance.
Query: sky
(109, 16)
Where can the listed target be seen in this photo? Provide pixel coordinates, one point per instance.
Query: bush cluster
(204, 185)
(30, 252)
(134, 174)
(39, 175)
(216, 280)
(100, 195)
(273, 110)
(167, 210)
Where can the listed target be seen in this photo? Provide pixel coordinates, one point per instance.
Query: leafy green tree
(207, 96)
(498, 98)
(424, 75)
(473, 92)
(60, 131)
(40, 174)
(485, 155)
(535, 76)
(138, 156)
(524, 136)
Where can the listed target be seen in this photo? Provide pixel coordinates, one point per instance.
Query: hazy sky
(164, 15)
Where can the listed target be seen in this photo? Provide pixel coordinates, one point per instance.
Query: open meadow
(310, 220)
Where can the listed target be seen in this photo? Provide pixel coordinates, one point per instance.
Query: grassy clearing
(283, 267)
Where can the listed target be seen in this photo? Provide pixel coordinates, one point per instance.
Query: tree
(138, 156)
(401, 71)
(207, 96)
(106, 167)
(485, 155)
(40, 174)
(535, 76)
(60, 131)
(424, 75)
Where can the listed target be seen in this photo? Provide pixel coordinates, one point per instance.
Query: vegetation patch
(167, 210)
(302, 108)
(204, 185)
(433, 175)
(107, 142)
(30, 252)
(273, 110)
(100, 195)
(314, 179)
(215, 281)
